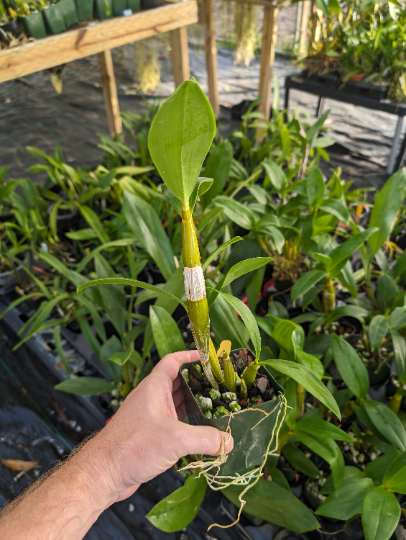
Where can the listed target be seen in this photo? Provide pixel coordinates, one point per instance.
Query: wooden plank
(269, 32)
(110, 92)
(304, 26)
(211, 53)
(180, 55)
(265, 3)
(94, 38)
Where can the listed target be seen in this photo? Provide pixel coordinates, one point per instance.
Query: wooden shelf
(93, 38)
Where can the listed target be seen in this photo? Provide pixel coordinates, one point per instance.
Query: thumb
(204, 440)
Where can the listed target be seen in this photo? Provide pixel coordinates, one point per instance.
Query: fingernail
(229, 444)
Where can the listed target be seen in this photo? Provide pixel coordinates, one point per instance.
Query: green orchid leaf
(395, 475)
(203, 185)
(130, 283)
(176, 511)
(346, 502)
(85, 386)
(180, 138)
(341, 254)
(312, 363)
(299, 461)
(217, 166)
(167, 336)
(386, 423)
(237, 212)
(315, 187)
(322, 428)
(275, 174)
(399, 349)
(306, 378)
(306, 282)
(274, 503)
(377, 330)
(380, 514)
(350, 366)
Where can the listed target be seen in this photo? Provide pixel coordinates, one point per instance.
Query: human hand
(147, 436)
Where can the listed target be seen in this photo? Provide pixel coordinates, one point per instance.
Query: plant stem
(300, 401)
(396, 400)
(198, 308)
(329, 296)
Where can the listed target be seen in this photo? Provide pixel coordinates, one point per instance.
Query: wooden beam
(93, 38)
(304, 26)
(110, 92)
(269, 32)
(211, 53)
(180, 55)
(265, 3)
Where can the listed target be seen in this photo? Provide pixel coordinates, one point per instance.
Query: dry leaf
(19, 465)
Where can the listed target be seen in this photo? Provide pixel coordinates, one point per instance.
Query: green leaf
(328, 450)
(386, 292)
(336, 208)
(380, 514)
(290, 338)
(237, 212)
(85, 386)
(122, 242)
(203, 185)
(346, 502)
(387, 423)
(399, 349)
(130, 283)
(377, 330)
(178, 509)
(376, 469)
(94, 222)
(121, 358)
(242, 268)
(217, 167)
(226, 324)
(147, 228)
(397, 318)
(59, 348)
(321, 4)
(350, 474)
(387, 204)
(341, 254)
(275, 174)
(172, 200)
(321, 428)
(167, 336)
(274, 503)
(83, 234)
(299, 461)
(306, 378)
(311, 362)
(180, 137)
(350, 366)
(315, 187)
(334, 6)
(248, 319)
(306, 282)
(113, 298)
(347, 311)
(109, 348)
(395, 475)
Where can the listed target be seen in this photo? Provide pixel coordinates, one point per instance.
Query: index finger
(170, 364)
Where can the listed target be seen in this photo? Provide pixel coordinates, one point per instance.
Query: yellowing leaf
(19, 465)
(225, 346)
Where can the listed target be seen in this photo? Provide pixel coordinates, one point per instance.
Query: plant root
(250, 478)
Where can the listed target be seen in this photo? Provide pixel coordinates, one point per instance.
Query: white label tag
(195, 287)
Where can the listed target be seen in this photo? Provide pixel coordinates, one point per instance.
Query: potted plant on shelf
(85, 9)
(103, 9)
(30, 16)
(10, 29)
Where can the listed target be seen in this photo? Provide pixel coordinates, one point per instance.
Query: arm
(143, 439)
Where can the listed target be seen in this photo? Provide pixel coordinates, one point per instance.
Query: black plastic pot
(150, 4)
(134, 5)
(13, 28)
(249, 444)
(69, 12)
(85, 9)
(54, 19)
(100, 9)
(119, 6)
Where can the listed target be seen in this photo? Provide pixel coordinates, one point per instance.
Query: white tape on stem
(195, 287)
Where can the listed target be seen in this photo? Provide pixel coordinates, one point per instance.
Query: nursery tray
(249, 444)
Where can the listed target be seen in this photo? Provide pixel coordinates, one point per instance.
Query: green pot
(34, 25)
(54, 19)
(119, 6)
(101, 9)
(249, 444)
(134, 5)
(69, 12)
(85, 9)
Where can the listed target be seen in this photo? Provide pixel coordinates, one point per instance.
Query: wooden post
(304, 25)
(110, 92)
(180, 55)
(211, 54)
(267, 58)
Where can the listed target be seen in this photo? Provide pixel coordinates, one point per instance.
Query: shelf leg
(395, 145)
(110, 92)
(304, 26)
(211, 54)
(267, 59)
(180, 55)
